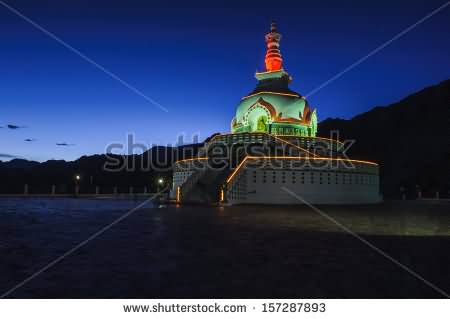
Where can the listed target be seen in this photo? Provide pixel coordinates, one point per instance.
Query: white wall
(357, 188)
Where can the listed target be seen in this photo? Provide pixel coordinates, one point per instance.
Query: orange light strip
(267, 92)
(178, 194)
(274, 136)
(271, 135)
(315, 158)
(237, 169)
(293, 157)
(291, 121)
(296, 146)
(320, 138)
(192, 159)
(222, 195)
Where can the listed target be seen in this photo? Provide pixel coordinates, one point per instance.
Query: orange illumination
(178, 194)
(222, 195)
(267, 105)
(293, 157)
(317, 137)
(267, 92)
(296, 146)
(274, 136)
(237, 169)
(273, 63)
(315, 158)
(292, 120)
(320, 138)
(273, 59)
(192, 159)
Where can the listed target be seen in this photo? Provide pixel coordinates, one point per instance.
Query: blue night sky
(197, 59)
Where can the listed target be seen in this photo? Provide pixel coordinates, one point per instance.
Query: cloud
(64, 144)
(30, 140)
(7, 156)
(14, 127)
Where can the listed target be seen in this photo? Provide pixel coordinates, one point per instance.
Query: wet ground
(231, 252)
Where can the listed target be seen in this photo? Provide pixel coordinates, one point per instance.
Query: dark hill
(106, 171)
(18, 163)
(410, 139)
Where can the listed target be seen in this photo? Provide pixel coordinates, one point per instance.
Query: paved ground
(232, 252)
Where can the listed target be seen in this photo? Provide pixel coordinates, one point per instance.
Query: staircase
(203, 186)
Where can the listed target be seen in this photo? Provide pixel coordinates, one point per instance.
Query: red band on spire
(273, 60)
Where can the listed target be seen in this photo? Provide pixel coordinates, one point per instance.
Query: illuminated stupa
(273, 152)
(272, 107)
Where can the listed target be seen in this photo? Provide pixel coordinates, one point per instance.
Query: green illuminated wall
(281, 128)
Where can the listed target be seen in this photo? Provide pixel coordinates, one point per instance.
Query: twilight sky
(197, 59)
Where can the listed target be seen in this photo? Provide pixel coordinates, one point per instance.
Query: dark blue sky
(197, 59)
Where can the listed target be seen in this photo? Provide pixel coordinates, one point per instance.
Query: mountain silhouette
(410, 140)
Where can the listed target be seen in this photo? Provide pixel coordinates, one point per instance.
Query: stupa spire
(273, 60)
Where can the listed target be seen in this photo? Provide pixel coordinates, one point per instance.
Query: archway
(257, 118)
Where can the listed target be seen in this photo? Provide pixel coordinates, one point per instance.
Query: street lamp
(160, 183)
(77, 187)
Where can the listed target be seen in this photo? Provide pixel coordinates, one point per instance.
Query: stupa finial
(273, 60)
(273, 26)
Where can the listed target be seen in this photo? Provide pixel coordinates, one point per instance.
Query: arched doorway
(257, 118)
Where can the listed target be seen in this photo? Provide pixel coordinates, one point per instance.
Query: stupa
(273, 152)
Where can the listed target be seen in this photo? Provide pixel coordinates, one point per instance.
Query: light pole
(160, 183)
(77, 189)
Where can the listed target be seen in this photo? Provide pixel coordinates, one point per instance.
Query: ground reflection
(228, 252)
